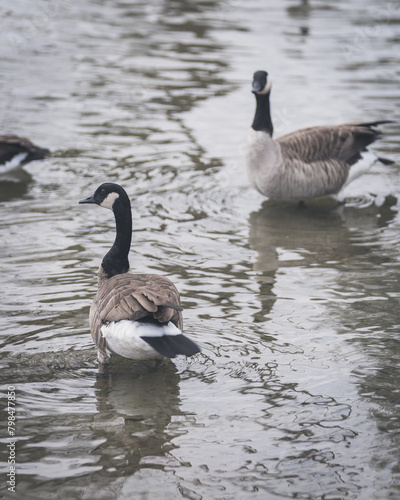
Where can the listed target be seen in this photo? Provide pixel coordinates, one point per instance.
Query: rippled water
(296, 392)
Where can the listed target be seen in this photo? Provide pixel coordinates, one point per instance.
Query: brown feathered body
(307, 163)
(129, 296)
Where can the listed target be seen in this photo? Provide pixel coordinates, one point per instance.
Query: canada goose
(17, 151)
(137, 316)
(307, 163)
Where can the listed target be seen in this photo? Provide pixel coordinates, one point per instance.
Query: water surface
(296, 392)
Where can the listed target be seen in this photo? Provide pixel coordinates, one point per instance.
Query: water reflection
(299, 10)
(318, 235)
(134, 415)
(285, 234)
(325, 260)
(14, 184)
(297, 311)
(111, 430)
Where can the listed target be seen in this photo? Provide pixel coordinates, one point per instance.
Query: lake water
(296, 391)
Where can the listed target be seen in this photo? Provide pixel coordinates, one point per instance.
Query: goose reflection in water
(285, 236)
(14, 185)
(134, 412)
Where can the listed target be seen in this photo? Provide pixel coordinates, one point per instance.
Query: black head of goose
(16, 151)
(310, 162)
(138, 316)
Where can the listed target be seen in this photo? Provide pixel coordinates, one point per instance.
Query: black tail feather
(386, 161)
(374, 124)
(172, 345)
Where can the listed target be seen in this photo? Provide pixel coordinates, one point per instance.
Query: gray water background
(296, 392)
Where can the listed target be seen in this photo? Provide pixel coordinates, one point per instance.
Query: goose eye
(103, 191)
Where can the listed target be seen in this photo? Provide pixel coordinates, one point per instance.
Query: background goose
(17, 151)
(307, 163)
(137, 316)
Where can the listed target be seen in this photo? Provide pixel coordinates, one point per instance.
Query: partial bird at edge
(16, 151)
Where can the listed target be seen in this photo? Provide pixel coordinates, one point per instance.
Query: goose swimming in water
(138, 316)
(308, 163)
(16, 151)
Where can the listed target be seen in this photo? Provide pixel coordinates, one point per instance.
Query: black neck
(116, 260)
(262, 119)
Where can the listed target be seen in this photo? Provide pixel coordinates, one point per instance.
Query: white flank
(124, 338)
(15, 162)
(361, 167)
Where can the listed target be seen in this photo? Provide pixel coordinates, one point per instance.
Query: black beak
(256, 87)
(87, 200)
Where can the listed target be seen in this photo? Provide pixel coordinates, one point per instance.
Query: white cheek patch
(267, 88)
(109, 201)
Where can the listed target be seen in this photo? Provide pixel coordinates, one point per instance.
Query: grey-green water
(296, 392)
